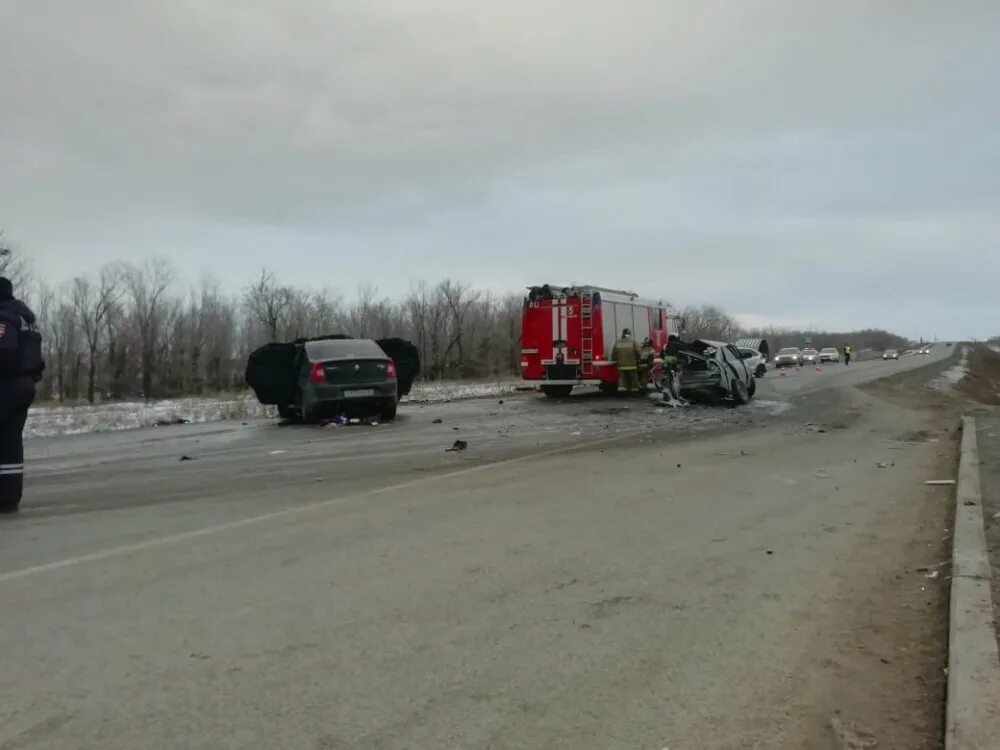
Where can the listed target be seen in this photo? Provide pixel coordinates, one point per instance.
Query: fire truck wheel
(609, 389)
(557, 391)
(752, 389)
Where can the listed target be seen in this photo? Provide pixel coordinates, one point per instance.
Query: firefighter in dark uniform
(21, 367)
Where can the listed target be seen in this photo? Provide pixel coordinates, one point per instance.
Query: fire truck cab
(568, 334)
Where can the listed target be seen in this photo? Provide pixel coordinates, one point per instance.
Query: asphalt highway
(589, 573)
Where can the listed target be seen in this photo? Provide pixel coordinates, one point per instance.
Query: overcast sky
(832, 163)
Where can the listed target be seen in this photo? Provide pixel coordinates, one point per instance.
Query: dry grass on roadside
(982, 383)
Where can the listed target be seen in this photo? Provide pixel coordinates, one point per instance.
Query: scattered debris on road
(438, 421)
(458, 447)
(882, 465)
(849, 737)
(940, 482)
(187, 458)
(277, 453)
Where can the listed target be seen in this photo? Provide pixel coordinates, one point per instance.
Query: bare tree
(92, 305)
(14, 264)
(268, 302)
(147, 287)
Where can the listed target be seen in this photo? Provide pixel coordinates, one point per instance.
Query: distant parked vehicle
(925, 350)
(754, 360)
(890, 354)
(788, 357)
(810, 357)
(829, 354)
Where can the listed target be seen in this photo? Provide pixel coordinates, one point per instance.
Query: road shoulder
(974, 666)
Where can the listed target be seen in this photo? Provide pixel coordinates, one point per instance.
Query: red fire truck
(569, 332)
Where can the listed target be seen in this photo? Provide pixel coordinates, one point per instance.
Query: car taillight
(390, 369)
(318, 373)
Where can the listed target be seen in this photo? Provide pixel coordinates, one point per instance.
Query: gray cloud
(703, 150)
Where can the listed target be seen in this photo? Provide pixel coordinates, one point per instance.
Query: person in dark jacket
(17, 391)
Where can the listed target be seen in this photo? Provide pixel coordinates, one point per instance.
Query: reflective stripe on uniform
(11, 469)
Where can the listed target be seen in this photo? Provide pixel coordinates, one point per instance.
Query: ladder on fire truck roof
(587, 332)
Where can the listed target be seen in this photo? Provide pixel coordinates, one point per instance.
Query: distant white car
(788, 357)
(829, 355)
(810, 357)
(754, 361)
(890, 354)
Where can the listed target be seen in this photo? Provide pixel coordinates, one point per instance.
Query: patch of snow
(953, 375)
(426, 393)
(48, 421)
(773, 408)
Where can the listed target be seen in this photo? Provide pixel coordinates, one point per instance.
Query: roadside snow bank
(49, 421)
(444, 391)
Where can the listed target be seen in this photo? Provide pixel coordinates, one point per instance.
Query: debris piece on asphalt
(187, 458)
(969, 504)
(822, 475)
(438, 421)
(849, 737)
(458, 447)
(277, 453)
(882, 465)
(942, 482)
(770, 552)
(678, 466)
(575, 434)
(933, 574)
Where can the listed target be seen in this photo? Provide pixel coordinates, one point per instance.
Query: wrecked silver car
(715, 370)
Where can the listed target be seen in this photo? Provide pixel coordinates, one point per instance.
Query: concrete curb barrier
(973, 713)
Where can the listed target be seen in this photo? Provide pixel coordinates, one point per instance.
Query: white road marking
(41, 508)
(219, 528)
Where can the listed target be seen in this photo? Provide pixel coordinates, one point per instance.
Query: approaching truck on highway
(568, 334)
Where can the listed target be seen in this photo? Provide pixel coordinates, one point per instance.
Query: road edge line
(972, 713)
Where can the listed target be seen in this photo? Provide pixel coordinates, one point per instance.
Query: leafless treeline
(137, 331)
(131, 330)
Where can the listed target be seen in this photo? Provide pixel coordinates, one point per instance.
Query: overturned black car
(714, 370)
(333, 376)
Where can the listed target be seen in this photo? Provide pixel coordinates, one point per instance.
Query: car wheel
(387, 412)
(752, 388)
(761, 371)
(557, 391)
(286, 411)
(739, 393)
